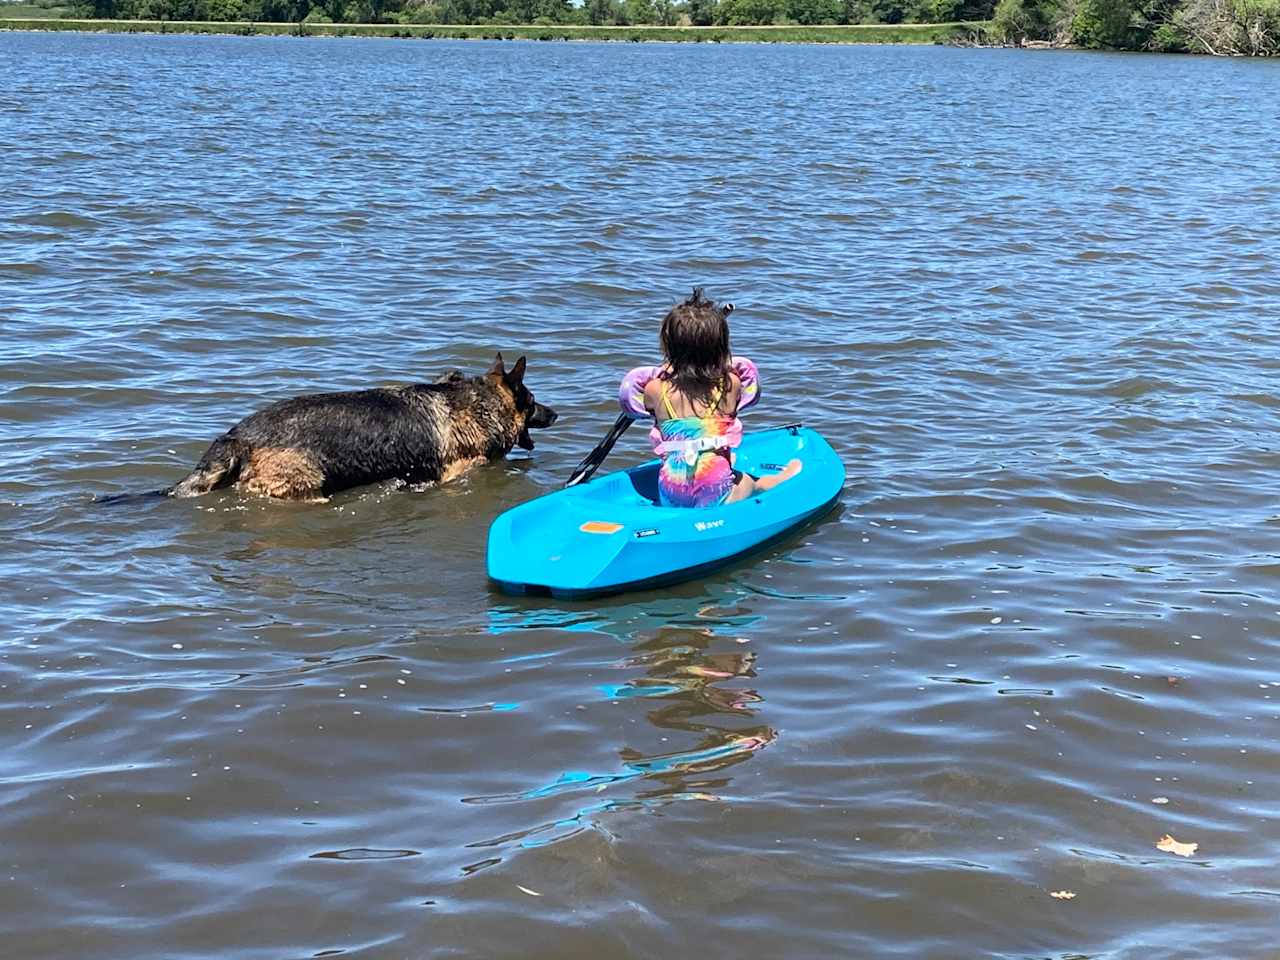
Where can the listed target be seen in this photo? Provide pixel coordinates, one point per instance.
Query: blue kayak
(610, 534)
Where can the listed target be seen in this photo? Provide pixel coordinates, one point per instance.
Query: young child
(694, 402)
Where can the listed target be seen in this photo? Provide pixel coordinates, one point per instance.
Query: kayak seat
(645, 483)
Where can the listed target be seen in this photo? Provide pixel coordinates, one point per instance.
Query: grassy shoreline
(862, 33)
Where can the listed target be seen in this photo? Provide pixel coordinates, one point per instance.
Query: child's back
(694, 402)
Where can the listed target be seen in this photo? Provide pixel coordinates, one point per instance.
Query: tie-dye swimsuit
(697, 467)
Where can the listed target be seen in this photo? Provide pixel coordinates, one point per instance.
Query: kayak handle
(596, 457)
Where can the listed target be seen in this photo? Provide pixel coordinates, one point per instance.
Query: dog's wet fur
(309, 448)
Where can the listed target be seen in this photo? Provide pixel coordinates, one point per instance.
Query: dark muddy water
(1030, 298)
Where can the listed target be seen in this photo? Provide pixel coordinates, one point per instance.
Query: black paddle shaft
(596, 457)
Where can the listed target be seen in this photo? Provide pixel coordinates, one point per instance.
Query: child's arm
(734, 395)
(652, 395)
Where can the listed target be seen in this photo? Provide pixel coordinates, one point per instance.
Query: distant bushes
(1016, 21)
(1225, 27)
(39, 8)
(937, 33)
(547, 12)
(1231, 27)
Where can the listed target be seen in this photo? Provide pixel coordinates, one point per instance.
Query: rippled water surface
(1029, 297)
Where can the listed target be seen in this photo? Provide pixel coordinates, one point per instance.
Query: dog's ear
(498, 369)
(516, 376)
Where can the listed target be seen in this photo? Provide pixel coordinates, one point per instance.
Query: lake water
(1031, 298)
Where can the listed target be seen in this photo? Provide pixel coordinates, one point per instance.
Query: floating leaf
(1170, 845)
(532, 893)
(1062, 894)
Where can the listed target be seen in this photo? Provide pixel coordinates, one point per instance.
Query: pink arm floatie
(631, 392)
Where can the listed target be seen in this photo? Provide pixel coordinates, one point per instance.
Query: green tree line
(585, 12)
(1234, 27)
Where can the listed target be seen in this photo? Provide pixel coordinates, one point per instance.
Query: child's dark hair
(695, 340)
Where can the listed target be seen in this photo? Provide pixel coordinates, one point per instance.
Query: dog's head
(529, 413)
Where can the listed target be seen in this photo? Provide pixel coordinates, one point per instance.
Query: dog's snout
(543, 416)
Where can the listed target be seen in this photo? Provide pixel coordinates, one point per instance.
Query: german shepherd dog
(308, 448)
